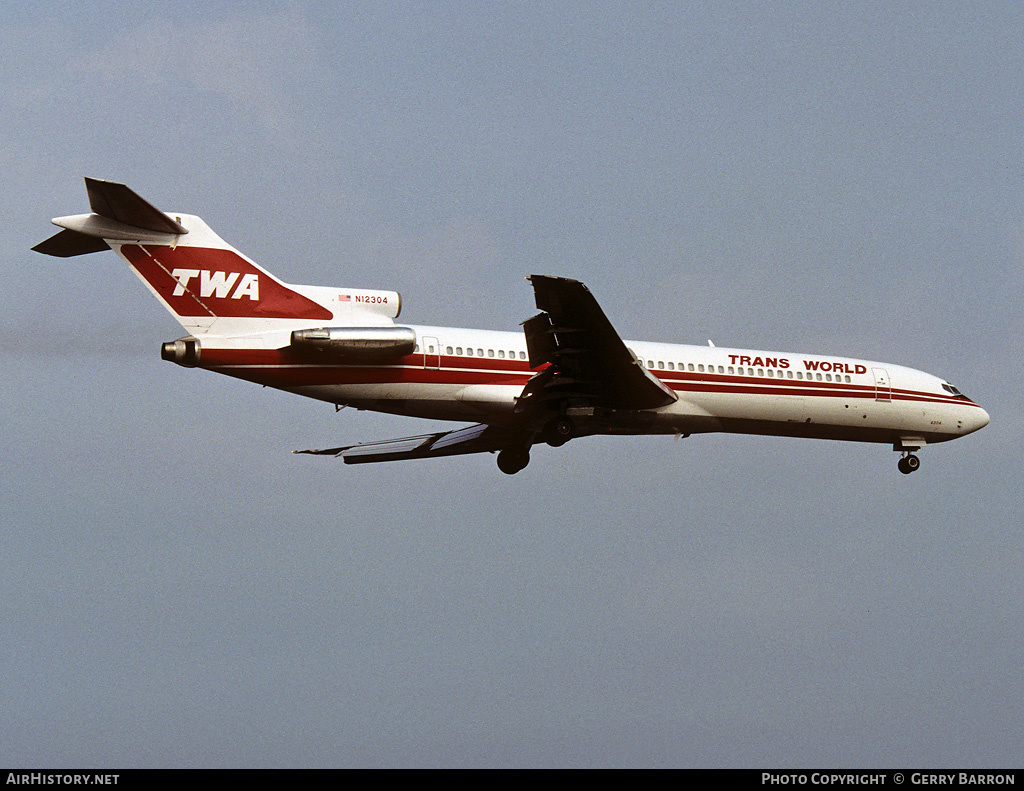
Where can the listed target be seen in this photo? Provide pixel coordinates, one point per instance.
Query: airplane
(567, 375)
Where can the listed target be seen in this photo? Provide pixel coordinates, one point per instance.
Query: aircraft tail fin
(197, 276)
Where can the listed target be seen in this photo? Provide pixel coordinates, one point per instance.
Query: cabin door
(883, 388)
(431, 352)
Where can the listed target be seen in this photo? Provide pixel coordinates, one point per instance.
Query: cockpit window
(953, 391)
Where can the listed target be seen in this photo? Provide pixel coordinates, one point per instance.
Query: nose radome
(977, 421)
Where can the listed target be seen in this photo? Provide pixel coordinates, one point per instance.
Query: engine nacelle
(184, 351)
(355, 343)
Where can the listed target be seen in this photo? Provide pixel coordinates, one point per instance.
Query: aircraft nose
(978, 420)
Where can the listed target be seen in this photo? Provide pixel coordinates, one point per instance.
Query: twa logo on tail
(217, 284)
(207, 281)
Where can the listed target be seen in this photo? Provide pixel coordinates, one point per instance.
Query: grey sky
(179, 590)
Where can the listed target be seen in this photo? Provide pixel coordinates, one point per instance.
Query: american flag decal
(344, 298)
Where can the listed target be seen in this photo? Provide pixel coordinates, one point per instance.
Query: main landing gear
(559, 430)
(556, 432)
(512, 460)
(908, 464)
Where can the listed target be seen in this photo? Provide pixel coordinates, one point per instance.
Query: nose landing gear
(908, 464)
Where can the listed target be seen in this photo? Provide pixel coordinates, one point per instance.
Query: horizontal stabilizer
(68, 244)
(480, 438)
(116, 202)
(118, 214)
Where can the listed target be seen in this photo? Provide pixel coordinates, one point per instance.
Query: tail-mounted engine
(355, 343)
(184, 352)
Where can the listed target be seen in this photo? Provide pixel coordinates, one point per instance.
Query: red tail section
(209, 287)
(205, 281)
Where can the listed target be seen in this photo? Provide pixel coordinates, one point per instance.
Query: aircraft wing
(480, 438)
(588, 360)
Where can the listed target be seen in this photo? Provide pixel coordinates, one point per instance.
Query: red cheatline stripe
(245, 364)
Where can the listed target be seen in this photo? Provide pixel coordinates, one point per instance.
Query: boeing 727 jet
(567, 374)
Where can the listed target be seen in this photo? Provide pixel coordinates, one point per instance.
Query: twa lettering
(809, 365)
(217, 284)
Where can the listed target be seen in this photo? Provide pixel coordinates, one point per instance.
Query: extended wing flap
(588, 358)
(540, 341)
(480, 438)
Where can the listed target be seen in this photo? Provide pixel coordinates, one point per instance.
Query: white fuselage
(477, 375)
